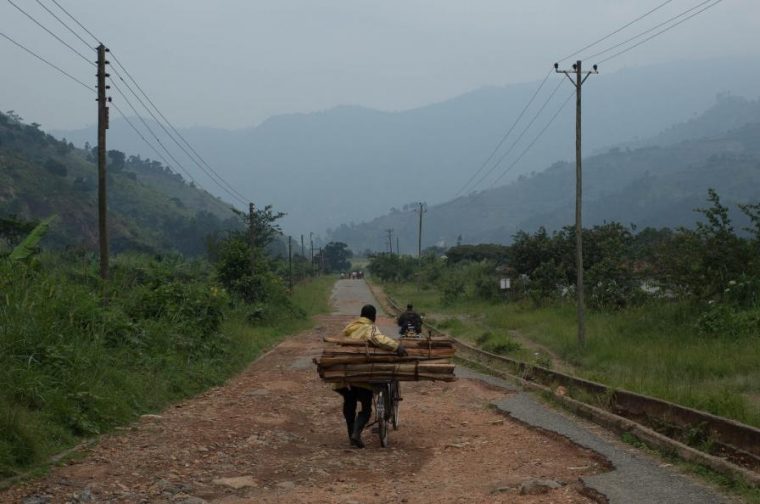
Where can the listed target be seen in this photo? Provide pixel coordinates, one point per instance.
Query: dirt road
(275, 433)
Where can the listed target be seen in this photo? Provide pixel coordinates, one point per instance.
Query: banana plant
(28, 247)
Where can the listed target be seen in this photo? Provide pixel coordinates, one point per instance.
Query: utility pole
(290, 262)
(390, 240)
(303, 251)
(311, 241)
(580, 78)
(102, 127)
(398, 250)
(252, 235)
(321, 261)
(422, 210)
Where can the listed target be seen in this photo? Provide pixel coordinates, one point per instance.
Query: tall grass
(73, 367)
(654, 349)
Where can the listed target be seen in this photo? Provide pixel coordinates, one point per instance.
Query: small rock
(286, 485)
(193, 500)
(236, 482)
(560, 391)
(85, 495)
(456, 445)
(37, 499)
(537, 486)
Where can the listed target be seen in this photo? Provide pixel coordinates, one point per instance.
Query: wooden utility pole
(303, 250)
(580, 78)
(398, 249)
(102, 193)
(390, 240)
(290, 262)
(419, 233)
(252, 235)
(311, 242)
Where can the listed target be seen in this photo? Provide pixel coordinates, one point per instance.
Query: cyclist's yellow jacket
(363, 329)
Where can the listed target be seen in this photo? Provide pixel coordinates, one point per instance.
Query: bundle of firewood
(348, 360)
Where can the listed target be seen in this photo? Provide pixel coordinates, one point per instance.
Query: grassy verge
(72, 367)
(652, 349)
(311, 296)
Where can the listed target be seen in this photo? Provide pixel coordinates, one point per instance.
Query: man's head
(409, 307)
(368, 311)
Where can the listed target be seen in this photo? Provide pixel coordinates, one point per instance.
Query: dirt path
(275, 433)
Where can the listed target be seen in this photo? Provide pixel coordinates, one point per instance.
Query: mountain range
(657, 182)
(350, 164)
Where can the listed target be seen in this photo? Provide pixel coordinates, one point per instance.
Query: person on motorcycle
(363, 329)
(409, 321)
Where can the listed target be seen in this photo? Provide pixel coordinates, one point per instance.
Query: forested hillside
(657, 185)
(150, 207)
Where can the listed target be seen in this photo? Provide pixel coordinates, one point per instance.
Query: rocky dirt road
(275, 433)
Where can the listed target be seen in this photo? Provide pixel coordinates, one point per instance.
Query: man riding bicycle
(409, 321)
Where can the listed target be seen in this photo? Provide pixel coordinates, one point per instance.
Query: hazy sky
(233, 63)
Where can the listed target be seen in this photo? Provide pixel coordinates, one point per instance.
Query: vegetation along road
(275, 433)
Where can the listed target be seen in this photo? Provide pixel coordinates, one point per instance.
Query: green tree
(336, 257)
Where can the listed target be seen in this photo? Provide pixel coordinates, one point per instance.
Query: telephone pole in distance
(252, 235)
(580, 78)
(422, 210)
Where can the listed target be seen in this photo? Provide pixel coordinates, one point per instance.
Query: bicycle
(385, 399)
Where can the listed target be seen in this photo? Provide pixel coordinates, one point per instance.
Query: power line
(59, 39)
(504, 137)
(62, 71)
(223, 184)
(147, 126)
(659, 32)
(540, 134)
(208, 170)
(63, 23)
(522, 134)
(615, 32)
(118, 109)
(131, 125)
(96, 39)
(683, 13)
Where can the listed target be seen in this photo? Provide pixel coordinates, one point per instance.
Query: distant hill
(350, 164)
(150, 208)
(657, 185)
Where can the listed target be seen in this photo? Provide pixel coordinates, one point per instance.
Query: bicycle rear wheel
(395, 400)
(380, 413)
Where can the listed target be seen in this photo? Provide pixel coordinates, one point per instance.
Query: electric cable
(530, 145)
(59, 39)
(64, 72)
(213, 175)
(659, 33)
(221, 183)
(615, 32)
(150, 130)
(63, 23)
(504, 137)
(522, 134)
(655, 27)
(96, 39)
